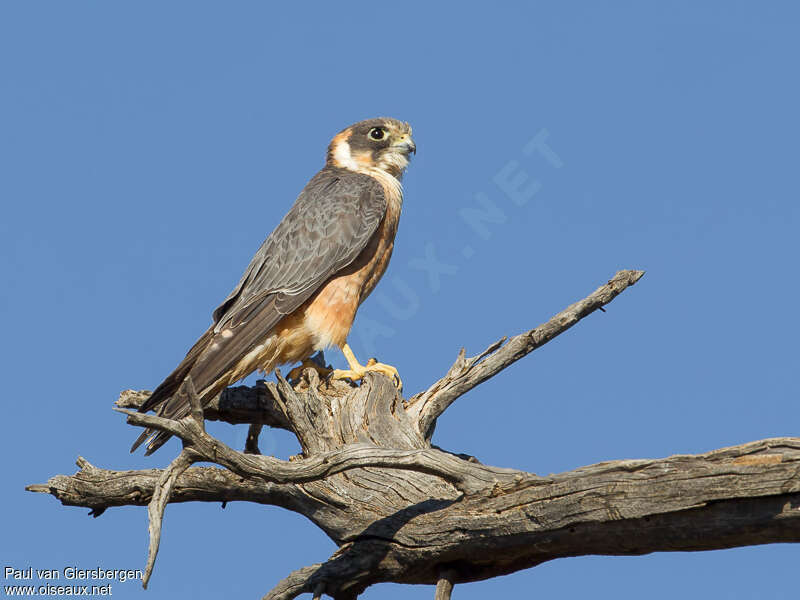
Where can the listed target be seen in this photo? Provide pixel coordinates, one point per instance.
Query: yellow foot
(297, 372)
(356, 372)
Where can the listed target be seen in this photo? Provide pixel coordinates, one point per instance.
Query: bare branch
(402, 511)
(101, 489)
(188, 391)
(444, 587)
(163, 490)
(748, 494)
(235, 405)
(296, 583)
(155, 510)
(318, 591)
(736, 496)
(353, 456)
(466, 373)
(251, 443)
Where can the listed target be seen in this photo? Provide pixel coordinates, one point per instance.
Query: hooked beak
(406, 145)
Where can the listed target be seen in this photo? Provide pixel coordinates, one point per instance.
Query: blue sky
(148, 148)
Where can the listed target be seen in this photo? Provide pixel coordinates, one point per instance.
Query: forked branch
(155, 509)
(163, 489)
(241, 404)
(402, 511)
(200, 446)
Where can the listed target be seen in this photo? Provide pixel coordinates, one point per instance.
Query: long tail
(161, 400)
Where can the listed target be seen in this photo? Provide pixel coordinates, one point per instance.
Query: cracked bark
(403, 511)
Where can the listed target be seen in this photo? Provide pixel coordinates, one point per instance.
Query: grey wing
(329, 225)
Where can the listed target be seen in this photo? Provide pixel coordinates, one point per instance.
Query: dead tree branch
(235, 405)
(444, 587)
(100, 489)
(747, 494)
(467, 373)
(155, 509)
(203, 447)
(409, 513)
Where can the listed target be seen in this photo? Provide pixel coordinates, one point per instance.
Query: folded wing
(329, 225)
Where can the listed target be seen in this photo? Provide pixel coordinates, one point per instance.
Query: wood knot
(497, 490)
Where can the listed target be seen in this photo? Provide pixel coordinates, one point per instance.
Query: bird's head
(383, 144)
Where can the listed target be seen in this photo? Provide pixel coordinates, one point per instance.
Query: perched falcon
(301, 291)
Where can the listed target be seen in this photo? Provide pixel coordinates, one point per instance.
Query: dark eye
(377, 133)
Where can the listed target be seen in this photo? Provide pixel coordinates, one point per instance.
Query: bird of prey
(302, 288)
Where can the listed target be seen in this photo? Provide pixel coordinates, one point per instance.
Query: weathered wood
(748, 494)
(100, 489)
(156, 506)
(466, 373)
(403, 511)
(444, 587)
(235, 405)
(202, 447)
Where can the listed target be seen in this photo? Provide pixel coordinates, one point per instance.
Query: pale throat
(388, 170)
